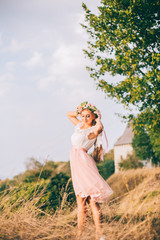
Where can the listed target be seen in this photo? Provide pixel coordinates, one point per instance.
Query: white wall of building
(121, 151)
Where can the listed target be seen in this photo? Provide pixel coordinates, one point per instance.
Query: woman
(88, 184)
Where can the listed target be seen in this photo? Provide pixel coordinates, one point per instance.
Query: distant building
(123, 146)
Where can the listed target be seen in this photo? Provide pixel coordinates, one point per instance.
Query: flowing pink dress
(85, 175)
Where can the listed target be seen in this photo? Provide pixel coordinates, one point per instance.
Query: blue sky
(42, 76)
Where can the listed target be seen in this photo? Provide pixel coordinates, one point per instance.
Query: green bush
(106, 168)
(57, 187)
(4, 187)
(46, 194)
(130, 162)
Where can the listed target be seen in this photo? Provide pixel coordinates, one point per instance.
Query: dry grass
(133, 212)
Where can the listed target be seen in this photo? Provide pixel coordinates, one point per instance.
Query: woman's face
(87, 117)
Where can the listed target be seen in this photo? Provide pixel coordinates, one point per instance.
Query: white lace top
(80, 137)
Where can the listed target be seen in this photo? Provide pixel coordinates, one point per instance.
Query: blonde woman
(88, 184)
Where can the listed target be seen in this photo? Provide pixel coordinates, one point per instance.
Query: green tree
(124, 41)
(143, 147)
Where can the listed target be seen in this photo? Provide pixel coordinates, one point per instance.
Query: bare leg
(97, 217)
(82, 210)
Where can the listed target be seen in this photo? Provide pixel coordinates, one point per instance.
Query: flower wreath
(89, 106)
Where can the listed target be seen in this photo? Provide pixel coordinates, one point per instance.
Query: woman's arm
(97, 129)
(73, 117)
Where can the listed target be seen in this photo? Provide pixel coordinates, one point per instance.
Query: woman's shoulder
(79, 125)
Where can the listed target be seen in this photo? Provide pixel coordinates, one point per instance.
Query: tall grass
(133, 212)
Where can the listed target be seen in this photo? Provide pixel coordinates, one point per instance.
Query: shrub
(58, 185)
(106, 168)
(130, 162)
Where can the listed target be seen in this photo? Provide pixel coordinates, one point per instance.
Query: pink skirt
(86, 178)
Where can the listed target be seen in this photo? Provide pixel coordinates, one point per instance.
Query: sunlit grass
(133, 212)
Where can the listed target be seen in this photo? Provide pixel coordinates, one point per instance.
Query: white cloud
(65, 67)
(45, 82)
(5, 83)
(10, 65)
(35, 61)
(16, 46)
(64, 61)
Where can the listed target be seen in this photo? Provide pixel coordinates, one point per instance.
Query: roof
(127, 136)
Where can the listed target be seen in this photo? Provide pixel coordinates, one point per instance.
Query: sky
(42, 76)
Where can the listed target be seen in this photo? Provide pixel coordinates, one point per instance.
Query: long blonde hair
(97, 154)
(97, 151)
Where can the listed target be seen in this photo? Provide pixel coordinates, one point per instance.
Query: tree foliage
(143, 146)
(124, 41)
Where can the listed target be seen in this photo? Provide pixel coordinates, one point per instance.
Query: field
(132, 212)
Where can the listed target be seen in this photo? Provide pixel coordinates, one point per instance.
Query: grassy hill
(133, 211)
